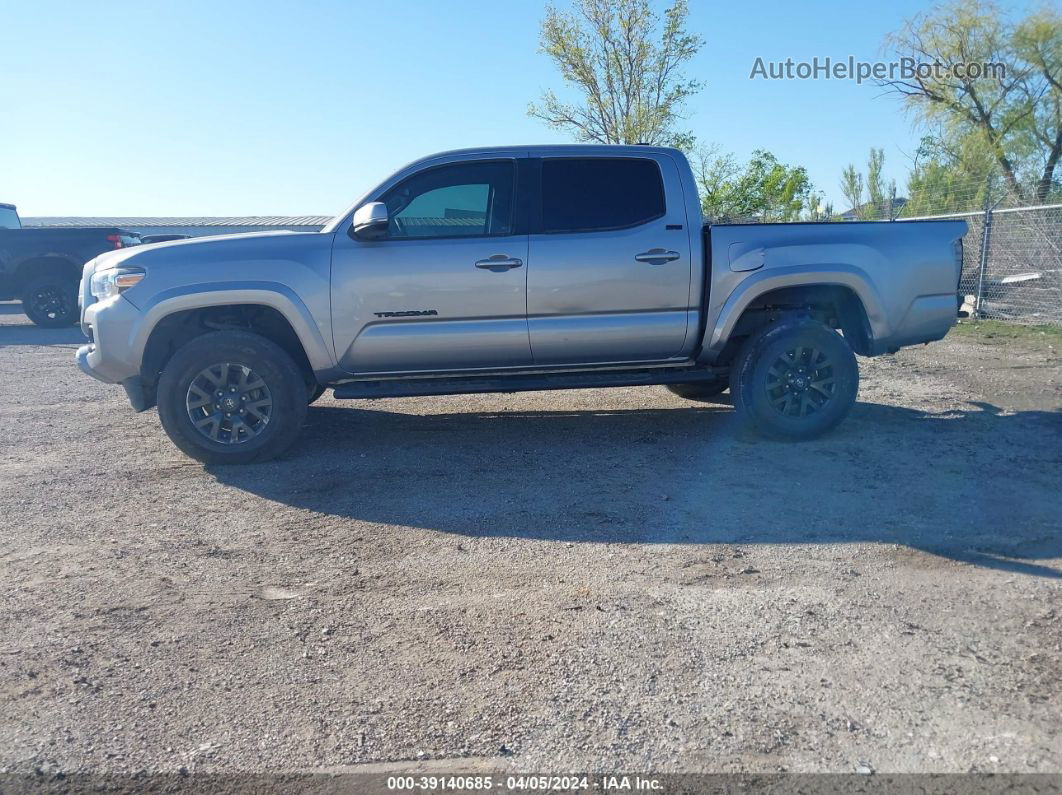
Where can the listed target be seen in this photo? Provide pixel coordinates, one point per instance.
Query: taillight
(116, 240)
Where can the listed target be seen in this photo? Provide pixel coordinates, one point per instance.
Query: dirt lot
(593, 580)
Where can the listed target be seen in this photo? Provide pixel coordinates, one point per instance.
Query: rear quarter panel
(904, 272)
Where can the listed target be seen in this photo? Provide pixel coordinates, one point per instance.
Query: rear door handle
(657, 256)
(499, 263)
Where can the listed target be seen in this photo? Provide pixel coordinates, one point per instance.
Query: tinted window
(461, 200)
(9, 218)
(582, 195)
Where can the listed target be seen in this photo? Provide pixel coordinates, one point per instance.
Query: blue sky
(240, 108)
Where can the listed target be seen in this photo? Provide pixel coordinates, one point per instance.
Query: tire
(708, 391)
(50, 301)
(262, 424)
(314, 391)
(794, 380)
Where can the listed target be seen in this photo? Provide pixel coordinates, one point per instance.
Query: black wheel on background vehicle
(50, 301)
(708, 391)
(232, 397)
(314, 391)
(794, 380)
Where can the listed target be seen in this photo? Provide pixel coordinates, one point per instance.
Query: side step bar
(464, 385)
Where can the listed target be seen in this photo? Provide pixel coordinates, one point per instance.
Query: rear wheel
(50, 301)
(708, 391)
(231, 397)
(794, 380)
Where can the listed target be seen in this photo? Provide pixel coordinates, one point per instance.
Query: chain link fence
(1012, 252)
(1012, 263)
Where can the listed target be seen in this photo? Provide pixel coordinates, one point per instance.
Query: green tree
(763, 189)
(625, 61)
(950, 175)
(1016, 111)
(880, 194)
(1037, 42)
(852, 189)
(818, 209)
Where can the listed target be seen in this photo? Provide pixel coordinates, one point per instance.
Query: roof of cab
(581, 149)
(572, 150)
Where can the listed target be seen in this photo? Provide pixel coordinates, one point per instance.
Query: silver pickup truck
(512, 269)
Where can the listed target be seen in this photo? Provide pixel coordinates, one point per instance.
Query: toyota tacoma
(505, 270)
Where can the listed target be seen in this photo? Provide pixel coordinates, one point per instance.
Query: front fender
(201, 296)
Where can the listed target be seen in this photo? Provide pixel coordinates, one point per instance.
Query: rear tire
(794, 380)
(313, 392)
(232, 397)
(50, 301)
(707, 392)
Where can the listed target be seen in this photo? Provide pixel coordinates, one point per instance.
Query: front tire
(50, 301)
(794, 380)
(231, 397)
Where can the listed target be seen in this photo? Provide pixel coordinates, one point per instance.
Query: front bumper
(82, 357)
(139, 397)
(112, 355)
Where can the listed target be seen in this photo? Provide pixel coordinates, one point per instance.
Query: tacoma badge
(407, 313)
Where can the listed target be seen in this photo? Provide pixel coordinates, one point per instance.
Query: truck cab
(555, 259)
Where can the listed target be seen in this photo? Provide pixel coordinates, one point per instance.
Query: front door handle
(657, 256)
(499, 263)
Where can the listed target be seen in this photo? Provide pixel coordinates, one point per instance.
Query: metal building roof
(316, 221)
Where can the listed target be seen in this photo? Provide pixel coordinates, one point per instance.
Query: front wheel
(231, 397)
(51, 301)
(794, 380)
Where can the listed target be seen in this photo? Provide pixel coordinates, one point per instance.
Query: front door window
(462, 200)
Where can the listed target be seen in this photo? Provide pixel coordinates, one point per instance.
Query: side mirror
(370, 221)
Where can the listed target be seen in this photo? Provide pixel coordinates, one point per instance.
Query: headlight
(112, 282)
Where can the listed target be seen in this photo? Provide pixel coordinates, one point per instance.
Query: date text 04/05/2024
(535, 783)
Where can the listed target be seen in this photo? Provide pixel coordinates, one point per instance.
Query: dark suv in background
(42, 267)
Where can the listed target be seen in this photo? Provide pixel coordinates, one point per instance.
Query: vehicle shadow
(10, 307)
(976, 484)
(29, 334)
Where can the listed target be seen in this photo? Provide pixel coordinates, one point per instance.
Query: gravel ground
(578, 580)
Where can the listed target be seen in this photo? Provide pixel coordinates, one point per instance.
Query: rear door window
(594, 194)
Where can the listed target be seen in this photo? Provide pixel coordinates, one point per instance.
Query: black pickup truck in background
(42, 267)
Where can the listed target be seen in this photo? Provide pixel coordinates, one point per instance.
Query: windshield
(9, 218)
